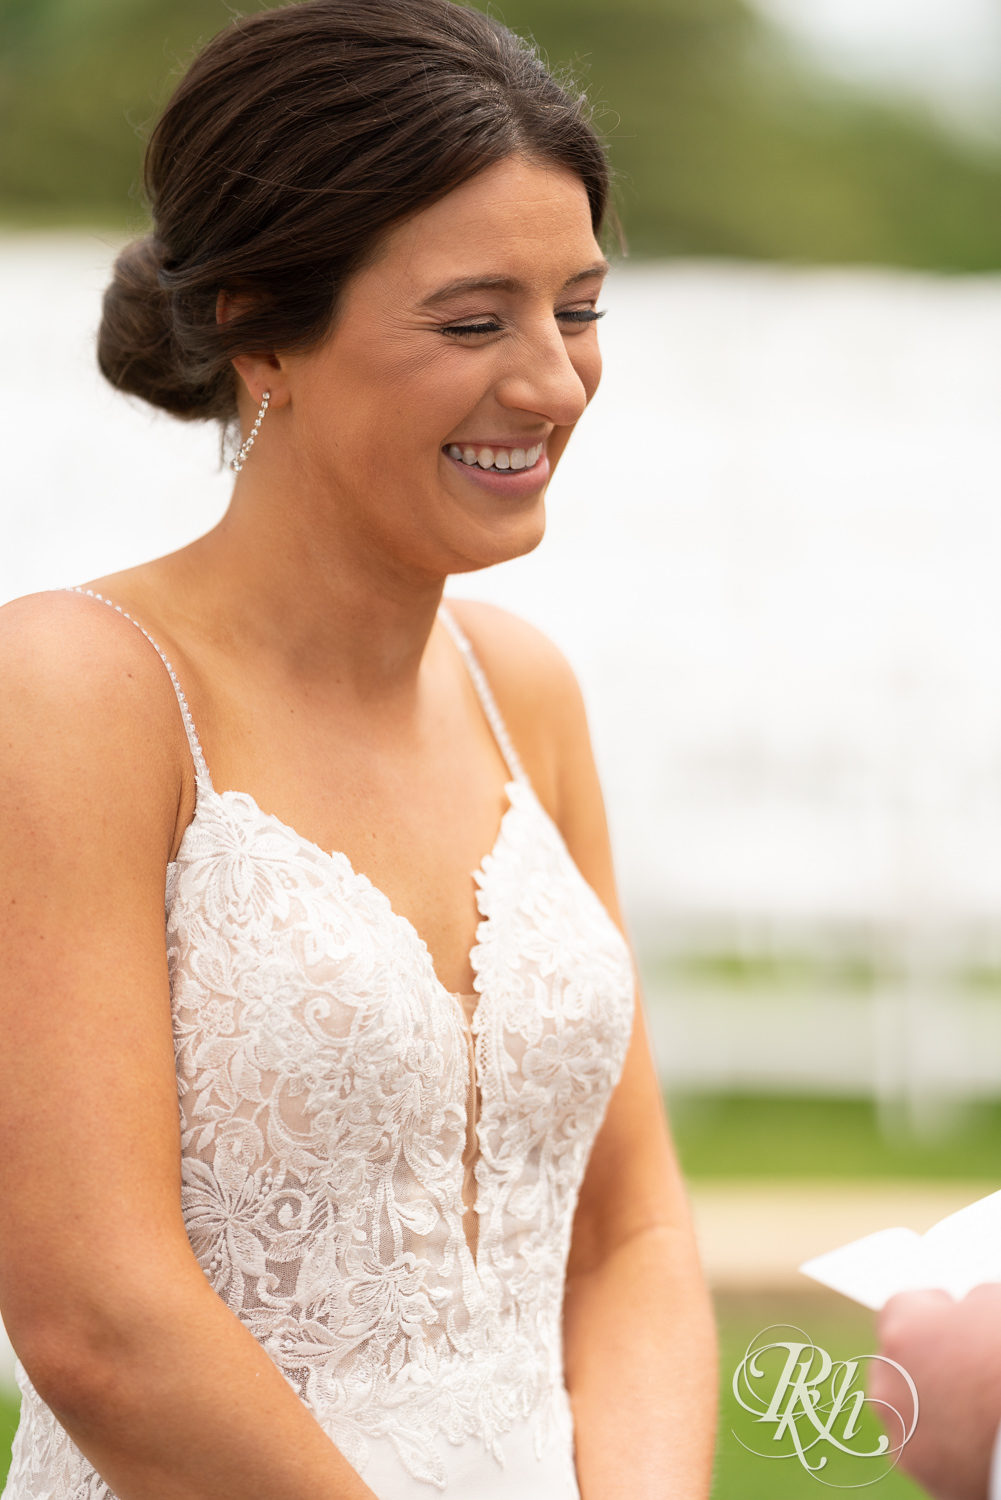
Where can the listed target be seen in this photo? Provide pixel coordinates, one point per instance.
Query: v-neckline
(467, 1021)
(337, 857)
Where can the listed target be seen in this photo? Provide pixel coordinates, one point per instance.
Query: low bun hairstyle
(297, 137)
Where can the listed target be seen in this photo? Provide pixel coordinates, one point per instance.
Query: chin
(487, 550)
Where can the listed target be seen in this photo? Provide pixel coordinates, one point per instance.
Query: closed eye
(579, 316)
(467, 328)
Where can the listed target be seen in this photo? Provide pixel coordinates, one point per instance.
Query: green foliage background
(723, 144)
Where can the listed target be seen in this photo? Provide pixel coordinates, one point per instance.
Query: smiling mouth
(499, 460)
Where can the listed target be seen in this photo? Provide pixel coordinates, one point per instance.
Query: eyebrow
(504, 284)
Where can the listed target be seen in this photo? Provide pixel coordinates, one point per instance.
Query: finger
(907, 1308)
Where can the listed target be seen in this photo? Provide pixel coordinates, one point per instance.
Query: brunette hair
(296, 138)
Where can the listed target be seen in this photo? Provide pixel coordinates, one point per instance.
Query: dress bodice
(325, 1095)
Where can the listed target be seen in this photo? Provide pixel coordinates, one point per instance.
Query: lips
(511, 485)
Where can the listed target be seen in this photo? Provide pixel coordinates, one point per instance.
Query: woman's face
(461, 358)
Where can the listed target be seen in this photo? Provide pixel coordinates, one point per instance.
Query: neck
(294, 585)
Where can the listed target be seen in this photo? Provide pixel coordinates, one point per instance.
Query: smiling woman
(358, 1183)
(494, 363)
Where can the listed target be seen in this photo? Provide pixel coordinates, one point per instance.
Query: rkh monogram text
(814, 1403)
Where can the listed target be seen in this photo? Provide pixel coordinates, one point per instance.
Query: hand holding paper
(957, 1254)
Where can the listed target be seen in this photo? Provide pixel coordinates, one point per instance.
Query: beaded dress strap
(484, 693)
(201, 768)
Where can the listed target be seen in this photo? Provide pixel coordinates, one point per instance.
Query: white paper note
(957, 1254)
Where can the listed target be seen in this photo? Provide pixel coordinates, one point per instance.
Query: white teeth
(499, 458)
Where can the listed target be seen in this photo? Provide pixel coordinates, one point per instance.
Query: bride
(359, 1182)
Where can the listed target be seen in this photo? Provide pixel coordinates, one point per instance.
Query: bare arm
(638, 1326)
(164, 1390)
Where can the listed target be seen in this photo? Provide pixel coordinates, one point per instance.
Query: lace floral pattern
(323, 1079)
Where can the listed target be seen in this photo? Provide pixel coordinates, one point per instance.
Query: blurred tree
(724, 146)
(80, 80)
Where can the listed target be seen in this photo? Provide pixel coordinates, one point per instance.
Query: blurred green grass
(9, 1406)
(761, 971)
(748, 1135)
(834, 1323)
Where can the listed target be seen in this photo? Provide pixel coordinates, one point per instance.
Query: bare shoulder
(69, 655)
(535, 688)
(89, 711)
(517, 656)
(540, 701)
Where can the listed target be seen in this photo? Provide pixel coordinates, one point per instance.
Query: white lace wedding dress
(330, 1124)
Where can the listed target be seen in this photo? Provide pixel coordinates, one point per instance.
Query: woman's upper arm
(91, 776)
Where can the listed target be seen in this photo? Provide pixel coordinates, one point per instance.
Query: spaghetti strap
(483, 691)
(202, 776)
(482, 687)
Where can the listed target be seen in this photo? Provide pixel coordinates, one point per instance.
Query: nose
(544, 378)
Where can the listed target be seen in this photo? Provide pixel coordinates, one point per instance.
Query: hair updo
(297, 137)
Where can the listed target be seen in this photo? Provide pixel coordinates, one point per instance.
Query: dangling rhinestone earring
(237, 461)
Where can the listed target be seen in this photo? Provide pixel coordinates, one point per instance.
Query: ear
(258, 372)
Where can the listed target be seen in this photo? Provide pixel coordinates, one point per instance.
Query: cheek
(419, 397)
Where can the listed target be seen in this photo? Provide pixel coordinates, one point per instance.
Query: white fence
(889, 1044)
